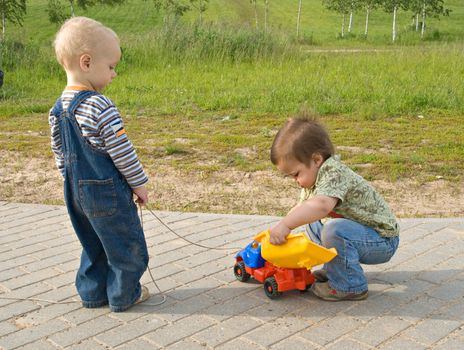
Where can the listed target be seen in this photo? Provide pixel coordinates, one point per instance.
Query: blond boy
(100, 168)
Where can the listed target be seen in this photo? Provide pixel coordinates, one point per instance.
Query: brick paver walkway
(416, 300)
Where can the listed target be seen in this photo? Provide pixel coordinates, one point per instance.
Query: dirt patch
(29, 179)
(356, 150)
(408, 198)
(35, 180)
(247, 152)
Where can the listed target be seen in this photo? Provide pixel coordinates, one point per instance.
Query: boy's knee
(332, 232)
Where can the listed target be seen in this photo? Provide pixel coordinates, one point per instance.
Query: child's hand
(279, 234)
(142, 195)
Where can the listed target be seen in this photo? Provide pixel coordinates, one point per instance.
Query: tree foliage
(424, 8)
(57, 12)
(433, 8)
(339, 6)
(175, 8)
(200, 6)
(12, 11)
(391, 5)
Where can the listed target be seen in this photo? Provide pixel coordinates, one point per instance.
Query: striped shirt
(102, 126)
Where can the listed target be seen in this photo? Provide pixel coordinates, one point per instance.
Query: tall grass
(373, 84)
(32, 72)
(190, 69)
(176, 43)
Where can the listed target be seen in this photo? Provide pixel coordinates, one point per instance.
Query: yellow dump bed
(297, 252)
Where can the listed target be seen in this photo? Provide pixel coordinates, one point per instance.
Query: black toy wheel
(240, 272)
(271, 288)
(308, 287)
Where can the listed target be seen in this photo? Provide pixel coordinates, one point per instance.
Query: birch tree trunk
(417, 22)
(72, 7)
(3, 26)
(350, 24)
(298, 20)
(367, 21)
(1, 53)
(256, 16)
(1, 47)
(343, 26)
(423, 21)
(266, 12)
(394, 24)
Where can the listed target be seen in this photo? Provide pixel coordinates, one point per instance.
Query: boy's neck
(77, 83)
(77, 88)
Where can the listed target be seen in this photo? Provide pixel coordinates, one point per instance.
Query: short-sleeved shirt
(357, 199)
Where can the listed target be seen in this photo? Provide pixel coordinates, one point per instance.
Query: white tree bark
(417, 22)
(367, 21)
(394, 24)
(266, 13)
(71, 3)
(343, 26)
(423, 21)
(3, 36)
(200, 17)
(298, 20)
(3, 26)
(256, 16)
(350, 24)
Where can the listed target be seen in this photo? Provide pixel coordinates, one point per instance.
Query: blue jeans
(356, 244)
(104, 216)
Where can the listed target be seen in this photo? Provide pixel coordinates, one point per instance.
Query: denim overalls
(104, 217)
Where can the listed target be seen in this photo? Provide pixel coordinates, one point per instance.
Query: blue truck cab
(251, 255)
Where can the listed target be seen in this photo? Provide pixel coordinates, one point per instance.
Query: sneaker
(324, 291)
(144, 295)
(320, 275)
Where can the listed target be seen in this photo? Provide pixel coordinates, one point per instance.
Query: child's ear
(84, 62)
(318, 159)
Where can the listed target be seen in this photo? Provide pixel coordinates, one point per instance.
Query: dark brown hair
(299, 139)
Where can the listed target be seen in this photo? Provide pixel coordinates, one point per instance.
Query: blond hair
(77, 36)
(300, 138)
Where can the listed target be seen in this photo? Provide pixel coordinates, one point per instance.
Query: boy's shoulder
(95, 100)
(99, 101)
(333, 163)
(334, 168)
(93, 104)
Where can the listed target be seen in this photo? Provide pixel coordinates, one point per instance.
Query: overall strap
(79, 98)
(57, 108)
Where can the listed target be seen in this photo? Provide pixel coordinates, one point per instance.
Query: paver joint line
(419, 289)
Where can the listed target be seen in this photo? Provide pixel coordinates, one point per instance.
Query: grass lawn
(203, 114)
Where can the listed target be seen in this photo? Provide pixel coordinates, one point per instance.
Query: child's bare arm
(309, 211)
(142, 195)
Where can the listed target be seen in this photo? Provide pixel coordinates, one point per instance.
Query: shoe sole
(353, 297)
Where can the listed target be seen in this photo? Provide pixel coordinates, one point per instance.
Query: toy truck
(281, 267)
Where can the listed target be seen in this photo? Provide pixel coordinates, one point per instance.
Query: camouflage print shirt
(358, 200)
